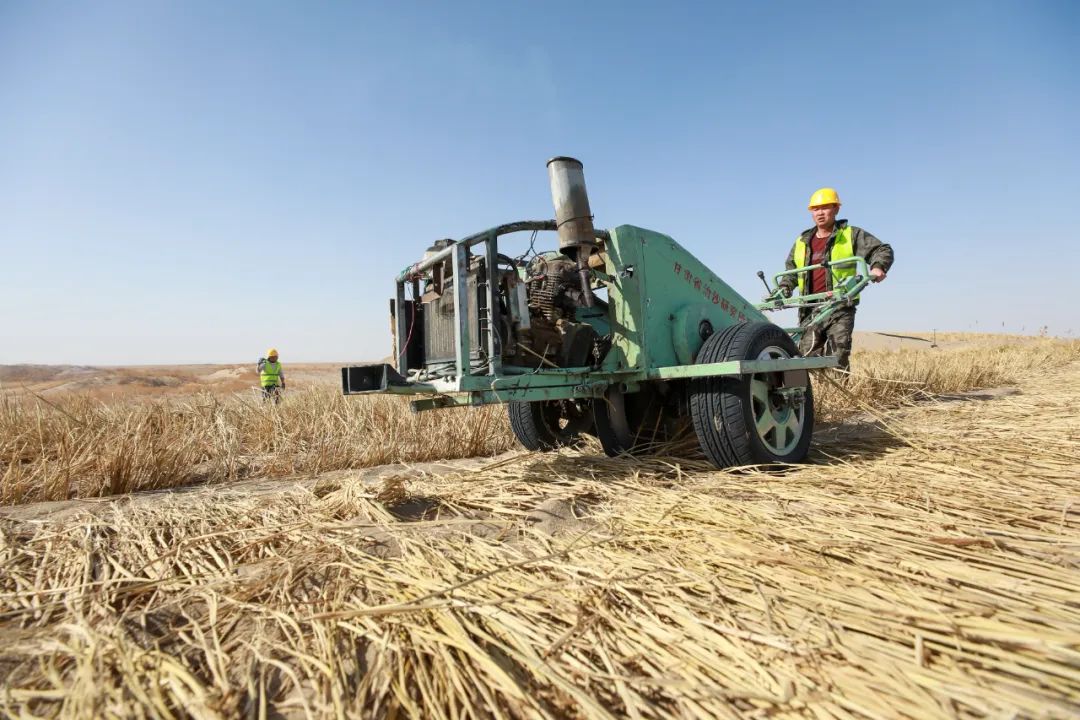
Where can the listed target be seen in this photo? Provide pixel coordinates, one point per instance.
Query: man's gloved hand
(781, 291)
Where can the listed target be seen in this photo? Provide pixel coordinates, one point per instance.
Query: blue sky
(195, 181)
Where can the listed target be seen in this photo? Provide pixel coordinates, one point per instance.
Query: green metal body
(662, 303)
(659, 294)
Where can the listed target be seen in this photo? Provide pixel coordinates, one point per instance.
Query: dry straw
(62, 447)
(924, 569)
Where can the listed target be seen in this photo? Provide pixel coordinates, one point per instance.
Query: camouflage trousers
(831, 337)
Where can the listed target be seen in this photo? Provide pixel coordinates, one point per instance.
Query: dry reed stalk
(931, 577)
(78, 446)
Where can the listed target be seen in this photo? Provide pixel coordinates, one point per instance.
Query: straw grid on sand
(925, 566)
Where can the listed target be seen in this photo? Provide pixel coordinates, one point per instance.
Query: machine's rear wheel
(751, 419)
(549, 424)
(628, 422)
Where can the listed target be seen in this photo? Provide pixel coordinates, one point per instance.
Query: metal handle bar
(415, 269)
(858, 262)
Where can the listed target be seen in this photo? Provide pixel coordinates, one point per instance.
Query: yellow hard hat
(272, 352)
(824, 196)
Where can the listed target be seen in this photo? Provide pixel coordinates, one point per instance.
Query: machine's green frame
(659, 299)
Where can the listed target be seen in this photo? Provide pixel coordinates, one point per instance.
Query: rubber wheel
(549, 424)
(742, 420)
(628, 423)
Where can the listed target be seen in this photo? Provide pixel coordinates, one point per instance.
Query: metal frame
(459, 255)
(828, 302)
(501, 384)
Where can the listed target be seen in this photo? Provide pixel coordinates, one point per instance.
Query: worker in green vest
(271, 376)
(831, 239)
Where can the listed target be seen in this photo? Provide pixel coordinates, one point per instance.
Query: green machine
(618, 333)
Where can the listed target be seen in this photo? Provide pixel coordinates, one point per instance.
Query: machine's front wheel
(549, 424)
(751, 419)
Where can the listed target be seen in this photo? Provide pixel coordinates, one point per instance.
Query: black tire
(549, 424)
(629, 423)
(725, 410)
(611, 427)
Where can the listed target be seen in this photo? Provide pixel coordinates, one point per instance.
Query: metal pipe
(494, 320)
(414, 270)
(586, 284)
(401, 329)
(577, 237)
(461, 310)
(431, 261)
(572, 214)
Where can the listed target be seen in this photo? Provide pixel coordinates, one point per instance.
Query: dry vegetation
(926, 565)
(56, 447)
(80, 447)
(888, 379)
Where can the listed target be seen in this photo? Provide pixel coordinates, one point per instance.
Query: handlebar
(825, 303)
(849, 287)
(861, 268)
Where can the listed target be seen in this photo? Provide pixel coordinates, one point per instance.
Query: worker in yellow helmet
(271, 376)
(831, 239)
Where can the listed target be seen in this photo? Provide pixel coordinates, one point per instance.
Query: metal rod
(520, 225)
(858, 262)
(401, 329)
(740, 367)
(586, 286)
(461, 309)
(442, 255)
(491, 258)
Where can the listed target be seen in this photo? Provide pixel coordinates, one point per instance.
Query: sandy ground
(153, 380)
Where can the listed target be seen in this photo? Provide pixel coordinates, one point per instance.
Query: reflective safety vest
(270, 375)
(842, 248)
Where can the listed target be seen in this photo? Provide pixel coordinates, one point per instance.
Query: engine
(540, 306)
(554, 298)
(546, 314)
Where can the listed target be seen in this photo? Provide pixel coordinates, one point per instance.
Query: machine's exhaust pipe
(573, 217)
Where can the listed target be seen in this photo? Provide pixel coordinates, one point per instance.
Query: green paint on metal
(659, 299)
(654, 279)
(740, 367)
(596, 317)
(686, 331)
(495, 397)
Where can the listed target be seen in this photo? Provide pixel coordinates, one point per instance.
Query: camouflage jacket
(868, 247)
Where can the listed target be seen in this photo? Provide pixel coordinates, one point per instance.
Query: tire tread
(532, 435)
(727, 441)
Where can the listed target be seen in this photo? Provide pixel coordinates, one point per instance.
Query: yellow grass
(80, 447)
(75, 445)
(926, 564)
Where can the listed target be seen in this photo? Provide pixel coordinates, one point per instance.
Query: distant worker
(833, 240)
(271, 376)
